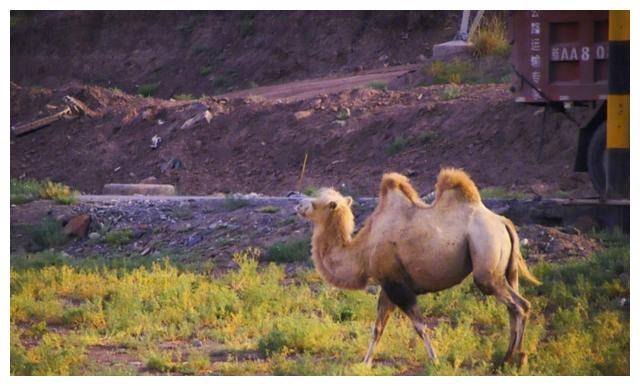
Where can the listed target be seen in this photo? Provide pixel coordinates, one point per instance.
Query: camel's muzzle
(302, 208)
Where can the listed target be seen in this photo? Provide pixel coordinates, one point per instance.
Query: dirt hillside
(256, 140)
(172, 53)
(259, 145)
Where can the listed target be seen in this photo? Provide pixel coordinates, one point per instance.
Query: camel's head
(326, 206)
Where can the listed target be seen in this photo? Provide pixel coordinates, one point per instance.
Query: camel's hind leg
(385, 308)
(518, 308)
(526, 307)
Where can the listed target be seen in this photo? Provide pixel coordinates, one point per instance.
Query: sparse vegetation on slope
(23, 191)
(491, 37)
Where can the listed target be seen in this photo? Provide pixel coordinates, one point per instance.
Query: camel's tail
(516, 261)
(452, 178)
(391, 181)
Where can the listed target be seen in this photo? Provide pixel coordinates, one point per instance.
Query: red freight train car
(582, 58)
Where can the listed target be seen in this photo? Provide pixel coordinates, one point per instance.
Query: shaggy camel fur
(411, 248)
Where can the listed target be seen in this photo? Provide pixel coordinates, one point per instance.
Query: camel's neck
(338, 258)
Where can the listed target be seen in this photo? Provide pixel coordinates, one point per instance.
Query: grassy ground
(68, 317)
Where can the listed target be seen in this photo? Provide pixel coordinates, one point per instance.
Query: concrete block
(143, 189)
(452, 48)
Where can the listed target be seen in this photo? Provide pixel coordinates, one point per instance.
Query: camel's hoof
(507, 359)
(522, 360)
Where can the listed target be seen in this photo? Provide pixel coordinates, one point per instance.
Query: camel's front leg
(385, 307)
(420, 326)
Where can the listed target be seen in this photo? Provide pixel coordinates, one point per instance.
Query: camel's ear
(332, 205)
(349, 201)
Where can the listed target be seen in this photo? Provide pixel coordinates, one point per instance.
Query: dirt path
(313, 87)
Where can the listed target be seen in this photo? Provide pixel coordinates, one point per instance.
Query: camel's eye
(332, 205)
(313, 205)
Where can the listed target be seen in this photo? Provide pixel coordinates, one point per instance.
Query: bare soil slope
(214, 52)
(254, 144)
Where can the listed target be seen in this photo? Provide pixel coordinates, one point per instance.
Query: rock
(189, 123)
(208, 116)
(344, 114)
(172, 164)
(422, 58)
(183, 227)
(571, 230)
(78, 226)
(303, 114)
(148, 115)
(143, 189)
(197, 343)
(193, 240)
(372, 290)
(155, 141)
(94, 236)
(383, 57)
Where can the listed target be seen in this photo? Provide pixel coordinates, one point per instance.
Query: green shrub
(162, 362)
(500, 193)
(427, 137)
(58, 192)
(197, 363)
(269, 209)
(451, 91)
(490, 38)
(220, 83)
(457, 71)
(289, 251)
(119, 237)
(399, 143)
(40, 260)
(23, 191)
(48, 233)
(310, 190)
(246, 27)
(274, 342)
(148, 90)
(233, 202)
(183, 97)
(205, 70)
(50, 356)
(378, 85)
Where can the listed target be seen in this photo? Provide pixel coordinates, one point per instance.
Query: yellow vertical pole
(618, 130)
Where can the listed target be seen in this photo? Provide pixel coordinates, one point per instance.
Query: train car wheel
(596, 159)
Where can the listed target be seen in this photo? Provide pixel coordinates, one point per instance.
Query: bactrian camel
(411, 248)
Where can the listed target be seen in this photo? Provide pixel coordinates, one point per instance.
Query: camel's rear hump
(451, 178)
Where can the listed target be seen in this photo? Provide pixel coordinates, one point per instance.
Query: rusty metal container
(559, 56)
